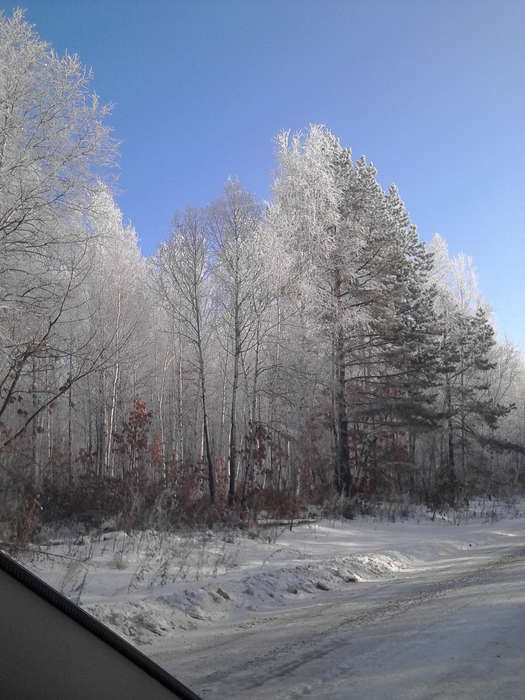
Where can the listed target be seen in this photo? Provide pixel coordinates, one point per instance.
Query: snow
(461, 639)
(150, 586)
(367, 609)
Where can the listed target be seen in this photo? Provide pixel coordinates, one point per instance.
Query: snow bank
(149, 585)
(185, 605)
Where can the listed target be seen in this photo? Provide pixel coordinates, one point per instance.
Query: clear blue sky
(432, 91)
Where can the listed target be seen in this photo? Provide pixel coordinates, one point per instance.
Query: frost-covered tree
(359, 267)
(53, 146)
(239, 273)
(275, 355)
(468, 361)
(183, 270)
(399, 362)
(114, 310)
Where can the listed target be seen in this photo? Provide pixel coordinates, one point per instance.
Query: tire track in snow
(285, 659)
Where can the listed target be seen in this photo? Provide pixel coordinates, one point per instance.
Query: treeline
(267, 357)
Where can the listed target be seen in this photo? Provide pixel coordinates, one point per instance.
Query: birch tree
(233, 224)
(183, 282)
(53, 146)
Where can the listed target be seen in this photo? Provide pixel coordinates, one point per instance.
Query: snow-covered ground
(150, 586)
(439, 613)
(336, 609)
(448, 636)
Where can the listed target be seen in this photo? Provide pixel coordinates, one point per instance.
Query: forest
(309, 350)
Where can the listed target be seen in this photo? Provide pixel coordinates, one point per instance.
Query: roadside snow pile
(185, 605)
(150, 584)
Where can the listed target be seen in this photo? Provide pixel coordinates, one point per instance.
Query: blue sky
(432, 91)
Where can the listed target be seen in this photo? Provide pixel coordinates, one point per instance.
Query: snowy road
(455, 631)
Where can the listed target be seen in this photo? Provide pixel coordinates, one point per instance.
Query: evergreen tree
(467, 342)
(401, 373)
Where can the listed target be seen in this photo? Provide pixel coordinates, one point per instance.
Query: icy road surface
(454, 631)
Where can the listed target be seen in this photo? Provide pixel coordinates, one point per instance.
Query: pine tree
(467, 341)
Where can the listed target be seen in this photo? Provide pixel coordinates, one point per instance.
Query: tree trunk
(34, 434)
(450, 431)
(109, 445)
(343, 474)
(209, 461)
(249, 476)
(233, 429)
